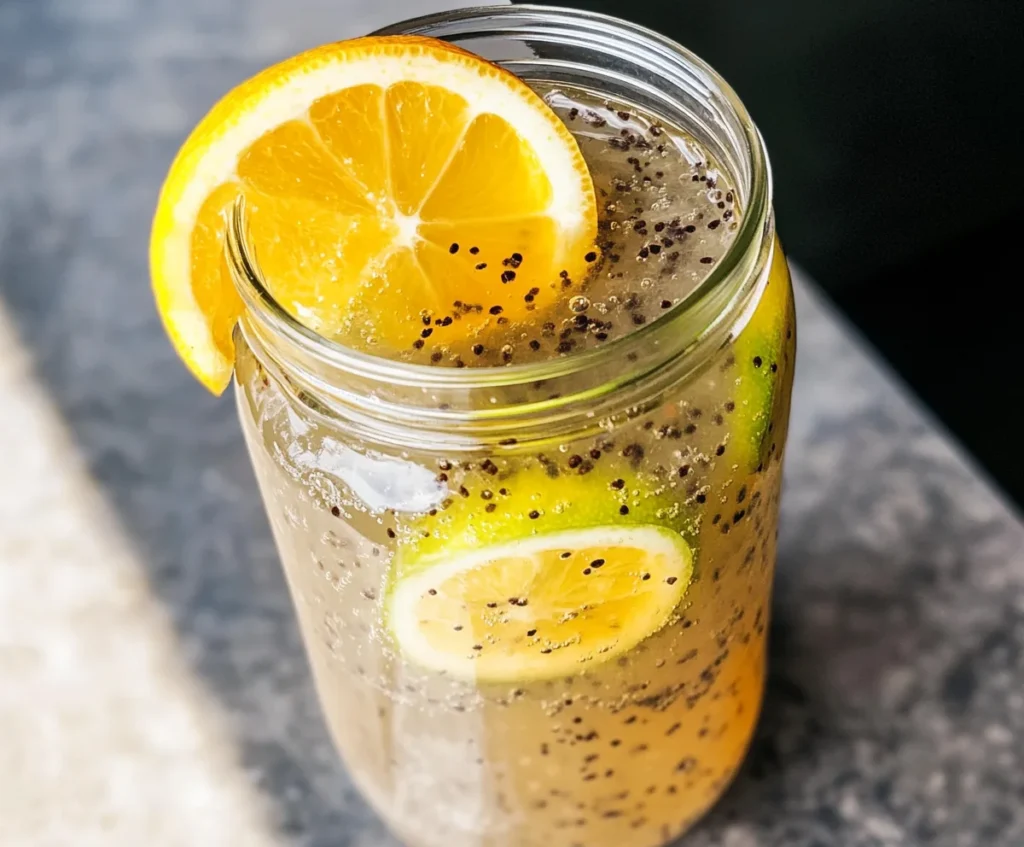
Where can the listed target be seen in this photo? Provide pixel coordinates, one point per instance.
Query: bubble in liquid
(331, 539)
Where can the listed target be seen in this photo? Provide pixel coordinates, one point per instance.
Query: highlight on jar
(511, 337)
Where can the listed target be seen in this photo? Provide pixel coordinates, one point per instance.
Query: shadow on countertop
(839, 757)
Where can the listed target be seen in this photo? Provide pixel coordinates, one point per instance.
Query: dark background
(896, 134)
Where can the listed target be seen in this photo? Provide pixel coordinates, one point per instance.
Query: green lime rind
(759, 368)
(485, 509)
(476, 514)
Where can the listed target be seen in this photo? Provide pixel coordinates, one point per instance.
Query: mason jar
(675, 429)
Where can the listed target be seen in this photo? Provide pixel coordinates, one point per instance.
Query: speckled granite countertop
(153, 688)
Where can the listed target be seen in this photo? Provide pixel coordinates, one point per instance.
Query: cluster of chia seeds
(665, 218)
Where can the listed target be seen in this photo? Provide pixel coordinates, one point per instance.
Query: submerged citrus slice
(492, 504)
(393, 185)
(541, 606)
(758, 352)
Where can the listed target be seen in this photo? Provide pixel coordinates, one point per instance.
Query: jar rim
(681, 326)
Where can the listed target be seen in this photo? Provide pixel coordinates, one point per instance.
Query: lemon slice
(541, 606)
(394, 186)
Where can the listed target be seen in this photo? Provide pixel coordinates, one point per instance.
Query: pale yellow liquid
(626, 754)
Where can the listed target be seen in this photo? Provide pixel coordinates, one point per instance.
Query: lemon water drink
(513, 350)
(559, 647)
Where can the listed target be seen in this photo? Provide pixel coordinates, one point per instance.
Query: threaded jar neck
(406, 404)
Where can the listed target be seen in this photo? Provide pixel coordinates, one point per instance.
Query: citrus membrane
(395, 186)
(541, 606)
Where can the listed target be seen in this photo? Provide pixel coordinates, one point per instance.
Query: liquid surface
(667, 215)
(625, 752)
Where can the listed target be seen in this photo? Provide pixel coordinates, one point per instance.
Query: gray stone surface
(895, 710)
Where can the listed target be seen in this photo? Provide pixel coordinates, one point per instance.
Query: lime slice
(758, 352)
(541, 606)
(491, 505)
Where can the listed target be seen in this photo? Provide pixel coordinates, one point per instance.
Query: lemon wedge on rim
(393, 185)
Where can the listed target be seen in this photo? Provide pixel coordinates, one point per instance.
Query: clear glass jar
(680, 423)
